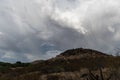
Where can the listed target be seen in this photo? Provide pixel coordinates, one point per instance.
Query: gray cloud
(40, 29)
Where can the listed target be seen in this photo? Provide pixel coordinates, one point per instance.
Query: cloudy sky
(41, 29)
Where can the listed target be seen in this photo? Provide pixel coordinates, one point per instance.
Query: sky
(41, 29)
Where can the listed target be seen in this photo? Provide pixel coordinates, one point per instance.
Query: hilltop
(80, 52)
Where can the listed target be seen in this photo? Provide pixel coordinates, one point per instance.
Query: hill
(74, 64)
(80, 52)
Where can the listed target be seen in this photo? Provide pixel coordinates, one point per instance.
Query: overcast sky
(41, 29)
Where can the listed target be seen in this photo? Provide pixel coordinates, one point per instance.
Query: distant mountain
(74, 64)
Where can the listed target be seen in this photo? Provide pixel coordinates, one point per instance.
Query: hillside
(80, 52)
(74, 64)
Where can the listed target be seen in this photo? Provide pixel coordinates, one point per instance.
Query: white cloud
(27, 25)
(31, 57)
(52, 53)
(9, 55)
(111, 29)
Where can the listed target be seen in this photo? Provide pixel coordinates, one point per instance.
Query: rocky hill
(80, 52)
(74, 64)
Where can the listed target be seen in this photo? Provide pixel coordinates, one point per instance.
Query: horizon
(59, 54)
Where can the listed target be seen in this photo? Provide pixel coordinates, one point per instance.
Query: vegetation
(5, 67)
(93, 65)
